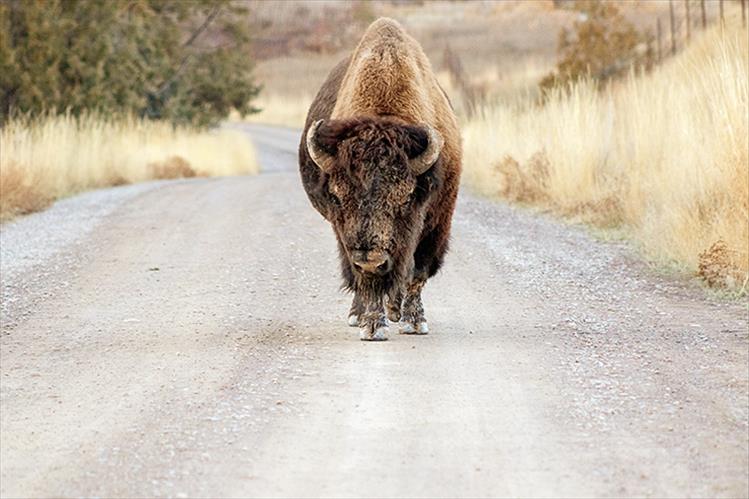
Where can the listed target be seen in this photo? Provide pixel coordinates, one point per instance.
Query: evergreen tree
(183, 61)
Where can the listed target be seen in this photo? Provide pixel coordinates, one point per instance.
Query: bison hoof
(406, 327)
(353, 320)
(373, 334)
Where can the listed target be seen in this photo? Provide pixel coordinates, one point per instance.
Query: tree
(183, 61)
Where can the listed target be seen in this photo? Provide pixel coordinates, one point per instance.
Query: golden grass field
(663, 155)
(49, 158)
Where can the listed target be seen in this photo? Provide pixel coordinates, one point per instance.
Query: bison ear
(423, 147)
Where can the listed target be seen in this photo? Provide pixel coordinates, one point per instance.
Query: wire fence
(686, 15)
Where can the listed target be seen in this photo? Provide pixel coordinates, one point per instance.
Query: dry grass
(663, 154)
(290, 84)
(50, 158)
(279, 109)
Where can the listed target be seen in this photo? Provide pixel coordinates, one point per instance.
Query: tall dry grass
(49, 158)
(664, 155)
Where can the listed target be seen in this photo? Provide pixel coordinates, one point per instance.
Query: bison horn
(321, 158)
(425, 160)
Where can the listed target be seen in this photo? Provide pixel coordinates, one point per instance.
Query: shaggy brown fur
(376, 106)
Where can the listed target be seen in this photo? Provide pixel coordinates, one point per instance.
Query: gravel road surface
(187, 338)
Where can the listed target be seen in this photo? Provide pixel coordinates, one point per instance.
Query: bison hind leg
(412, 319)
(356, 311)
(394, 302)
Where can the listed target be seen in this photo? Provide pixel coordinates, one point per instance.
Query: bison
(380, 159)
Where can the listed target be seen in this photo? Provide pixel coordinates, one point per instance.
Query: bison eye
(333, 196)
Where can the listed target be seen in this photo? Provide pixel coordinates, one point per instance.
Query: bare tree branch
(183, 63)
(208, 20)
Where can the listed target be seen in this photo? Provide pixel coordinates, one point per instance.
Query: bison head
(379, 175)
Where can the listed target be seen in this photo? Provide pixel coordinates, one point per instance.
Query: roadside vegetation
(662, 155)
(95, 94)
(46, 158)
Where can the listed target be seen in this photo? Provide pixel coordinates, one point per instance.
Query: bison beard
(382, 177)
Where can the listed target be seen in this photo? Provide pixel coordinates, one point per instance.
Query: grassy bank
(46, 159)
(663, 155)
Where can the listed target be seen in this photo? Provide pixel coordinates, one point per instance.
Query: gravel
(43, 247)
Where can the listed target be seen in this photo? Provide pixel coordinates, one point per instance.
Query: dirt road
(188, 338)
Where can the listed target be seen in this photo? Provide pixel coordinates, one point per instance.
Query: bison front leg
(412, 319)
(373, 325)
(392, 307)
(427, 261)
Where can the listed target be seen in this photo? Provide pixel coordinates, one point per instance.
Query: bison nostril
(371, 262)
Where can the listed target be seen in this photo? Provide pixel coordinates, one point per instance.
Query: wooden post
(658, 34)
(704, 14)
(673, 26)
(689, 20)
(722, 18)
(743, 12)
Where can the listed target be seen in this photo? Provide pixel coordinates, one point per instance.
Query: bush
(183, 61)
(602, 44)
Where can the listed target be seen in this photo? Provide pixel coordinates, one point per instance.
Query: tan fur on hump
(389, 75)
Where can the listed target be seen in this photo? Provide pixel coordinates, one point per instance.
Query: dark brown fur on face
(377, 203)
(374, 202)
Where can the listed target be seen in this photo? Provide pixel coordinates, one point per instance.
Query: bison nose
(372, 262)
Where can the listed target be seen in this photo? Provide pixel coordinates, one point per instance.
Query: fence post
(673, 26)
(704, 14)
(743, 12)
(658, 32)
(689, 20)
(722, 18)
